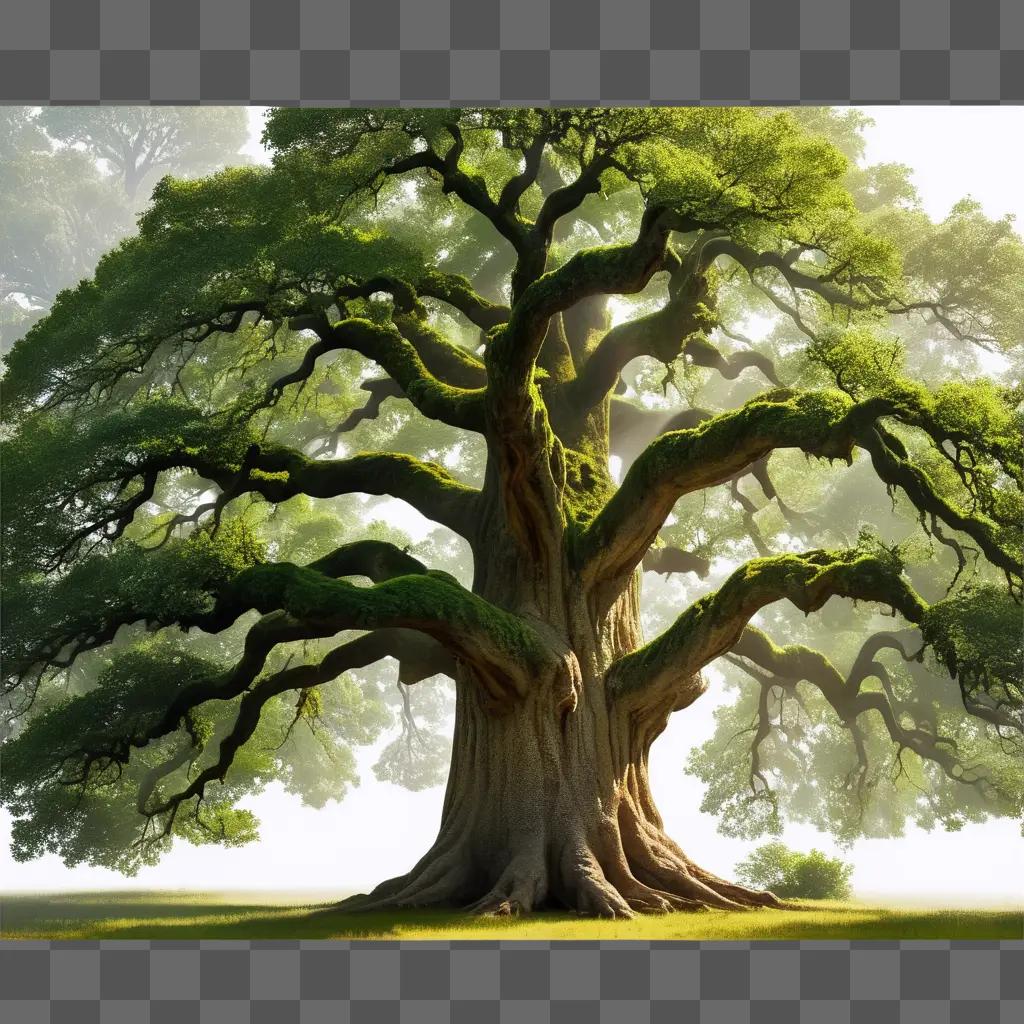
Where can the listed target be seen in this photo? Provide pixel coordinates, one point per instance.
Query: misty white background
(380, 829)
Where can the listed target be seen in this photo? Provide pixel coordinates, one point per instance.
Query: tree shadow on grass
(191, 916)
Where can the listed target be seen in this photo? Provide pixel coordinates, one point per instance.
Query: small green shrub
(789, 873)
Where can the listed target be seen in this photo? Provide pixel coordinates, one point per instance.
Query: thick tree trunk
(548, 803)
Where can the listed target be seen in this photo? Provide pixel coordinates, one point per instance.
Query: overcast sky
(380, 830)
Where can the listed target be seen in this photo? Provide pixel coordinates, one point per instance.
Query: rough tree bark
(548, 800)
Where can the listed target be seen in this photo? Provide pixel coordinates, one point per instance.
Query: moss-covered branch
(560, 202)
(713, 624)
(713, 452)
(297, 603)
(614, 269)
(458, 292)
(888, 456)
(826, 424)
(529, 460)
(278, 473)
(441, 381)
(377, 560)
(663, 335)
(57, 621)
(505, 651)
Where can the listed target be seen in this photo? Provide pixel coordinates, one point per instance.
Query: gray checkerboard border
(532, 52)
(314, 982)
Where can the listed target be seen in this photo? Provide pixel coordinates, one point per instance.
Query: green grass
(177, 915)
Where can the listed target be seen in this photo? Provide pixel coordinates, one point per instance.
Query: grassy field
(178, 915)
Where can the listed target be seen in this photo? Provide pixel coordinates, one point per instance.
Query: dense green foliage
(791, 874)
(203, 415)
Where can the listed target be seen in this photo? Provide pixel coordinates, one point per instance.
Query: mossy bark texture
(549, 803)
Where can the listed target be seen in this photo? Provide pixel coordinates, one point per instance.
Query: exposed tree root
(648, 874)
(520, 888)
(539, 818)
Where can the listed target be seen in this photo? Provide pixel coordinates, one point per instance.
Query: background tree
(560, 302)
(72, 180)
(791, 874)
(141, 144)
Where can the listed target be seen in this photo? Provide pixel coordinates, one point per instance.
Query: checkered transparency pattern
(442, 52)
(419, 52)
(312, 982)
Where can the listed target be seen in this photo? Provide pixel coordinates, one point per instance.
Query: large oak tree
(526, 285)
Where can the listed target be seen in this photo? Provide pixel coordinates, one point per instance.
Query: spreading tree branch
(356, 654)
(888, 457)
(824, 424)
(616, 269)
(307, 602)
(713, 452)
(379, 390)
(527, 457)
(405, 359)
(506, 653)
(797, 663)
(458, 292)
(680, 326)
(99, 622)
(469, 187)
(712, 625)
(857, 292)
(277, 473)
